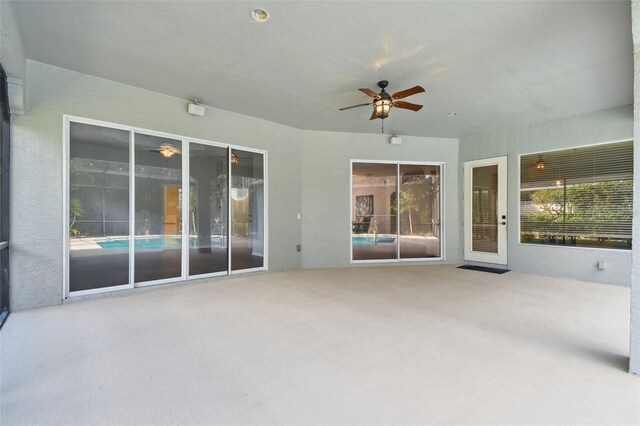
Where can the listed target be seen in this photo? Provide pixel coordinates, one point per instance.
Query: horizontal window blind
(579, 197)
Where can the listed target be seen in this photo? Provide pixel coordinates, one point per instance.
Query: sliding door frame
(66, 193)
(265, 207)
(185, 181)
(5, 197)
(186, 224)
(442, 256)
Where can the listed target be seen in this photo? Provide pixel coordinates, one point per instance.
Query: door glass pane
(98, 207)
(419, 211)
(158, 226)
(374, 227)
(207, 209)
(247, 210)
(484, 204)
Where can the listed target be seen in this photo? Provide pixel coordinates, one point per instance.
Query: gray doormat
(484, 269)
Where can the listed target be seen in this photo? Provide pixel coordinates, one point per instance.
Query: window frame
(442, 203)
(186, 141)
(5, 146)
(518, 207)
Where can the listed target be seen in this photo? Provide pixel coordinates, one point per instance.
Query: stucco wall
(326, 177)
(313, 163)
(598, 127)
(309, 173)
(36, 175)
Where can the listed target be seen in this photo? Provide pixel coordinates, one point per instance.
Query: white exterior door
(485, 210)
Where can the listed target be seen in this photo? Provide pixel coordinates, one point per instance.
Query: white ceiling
(497, 64)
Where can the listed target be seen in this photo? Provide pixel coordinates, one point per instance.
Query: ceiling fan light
(259, 15)
(167, 150)
(382, 107)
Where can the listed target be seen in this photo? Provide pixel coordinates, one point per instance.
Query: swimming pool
(153, 243)
(368, 240)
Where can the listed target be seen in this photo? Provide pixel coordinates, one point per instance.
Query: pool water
(152, 243)
(360, 241)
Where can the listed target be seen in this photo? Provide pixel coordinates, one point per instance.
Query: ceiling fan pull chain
(382, 125)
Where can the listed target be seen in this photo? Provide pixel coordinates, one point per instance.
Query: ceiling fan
(167, 150)
(383, 101)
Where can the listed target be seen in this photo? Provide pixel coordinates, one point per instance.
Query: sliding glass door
(396, 211)
(419, 207)
(158, 214)
(145, 208)
(98, 207)
(374, 213)
(208, 209)
(247, 210)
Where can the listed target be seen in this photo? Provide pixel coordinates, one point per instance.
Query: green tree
(409, 204)
(586, 208)
(76, 210)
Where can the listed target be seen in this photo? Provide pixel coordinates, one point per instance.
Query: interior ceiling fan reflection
(167, 150)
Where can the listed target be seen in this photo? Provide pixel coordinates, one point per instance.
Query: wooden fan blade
(370, 92)
(374, 115)
(408, 92)
(407, 105)
(354, 106)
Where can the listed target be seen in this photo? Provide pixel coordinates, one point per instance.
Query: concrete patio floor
(374, 345)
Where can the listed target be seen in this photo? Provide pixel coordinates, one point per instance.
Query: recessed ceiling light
(259, 15)
(452, 114)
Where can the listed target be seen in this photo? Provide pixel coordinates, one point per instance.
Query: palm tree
(409, 204)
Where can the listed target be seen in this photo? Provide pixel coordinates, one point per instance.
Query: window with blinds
(578, 197)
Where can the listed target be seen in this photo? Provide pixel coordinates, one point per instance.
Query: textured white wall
(36, 173)
(37, 180)
(326, 178)
(597, 127)
(308, 173)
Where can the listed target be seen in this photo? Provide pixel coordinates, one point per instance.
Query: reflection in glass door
(247, 210)
(140, 212)
(158, 213)
(208, 209)
(484, 209)
(419, 208)
(373, 217)
(98, 207)
(395, 211)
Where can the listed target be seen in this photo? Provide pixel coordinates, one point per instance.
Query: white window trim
(519, 168)
(442, 213)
